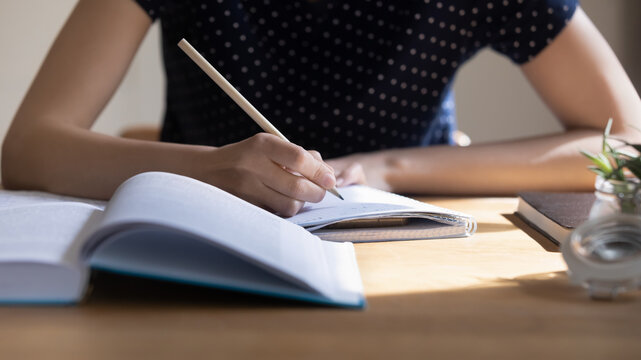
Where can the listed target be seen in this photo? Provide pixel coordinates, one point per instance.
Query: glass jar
(614, 196)
(604, 255)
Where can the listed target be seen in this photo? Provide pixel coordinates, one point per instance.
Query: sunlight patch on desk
(441, 265)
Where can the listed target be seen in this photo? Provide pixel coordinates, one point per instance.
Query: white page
(311, 216)
(362, 201)
(160, 254)
(13, 198)
(176, 256)
(39, 261)
(42, 233)
(174, 201)
(341, 262)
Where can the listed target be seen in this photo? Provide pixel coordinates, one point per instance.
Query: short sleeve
(153, 8)
(521, 29)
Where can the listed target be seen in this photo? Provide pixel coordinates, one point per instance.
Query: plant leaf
(604, 163)
(626, 154)
(598, 171)
(634, 165)
(590, 156)
(618, 174)
(600, 160)
(606, 133)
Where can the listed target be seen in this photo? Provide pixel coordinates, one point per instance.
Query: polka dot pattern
(523, 27)
(335, 76)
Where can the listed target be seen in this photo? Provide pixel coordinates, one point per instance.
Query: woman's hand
(348, 173)
(366, 169)
(264, 170)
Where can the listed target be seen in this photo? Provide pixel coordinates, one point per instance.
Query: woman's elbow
(18, 171)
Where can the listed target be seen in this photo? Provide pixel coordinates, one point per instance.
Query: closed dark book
(555, 214)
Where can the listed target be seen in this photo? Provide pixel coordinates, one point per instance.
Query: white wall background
(27, 30)
(511, 108)
(28, 27)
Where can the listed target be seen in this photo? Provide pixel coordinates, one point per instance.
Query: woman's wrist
(201, 163)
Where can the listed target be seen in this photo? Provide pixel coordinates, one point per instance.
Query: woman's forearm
(542, 163)
(66, 159)
(74, 161)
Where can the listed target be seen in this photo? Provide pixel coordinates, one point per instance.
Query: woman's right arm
(50, 146)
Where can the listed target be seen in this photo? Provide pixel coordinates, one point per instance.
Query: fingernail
(328, 181)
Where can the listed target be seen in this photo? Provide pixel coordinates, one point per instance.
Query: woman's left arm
(579, 78)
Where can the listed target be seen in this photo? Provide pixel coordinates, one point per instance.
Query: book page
(12, 198)
(42, 233)
(174, 256)
(39, 260)
(175, 202)
(342, 263)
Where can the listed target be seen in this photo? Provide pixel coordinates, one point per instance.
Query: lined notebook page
(362, 201)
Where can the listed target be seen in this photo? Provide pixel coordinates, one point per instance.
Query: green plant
(611, 163)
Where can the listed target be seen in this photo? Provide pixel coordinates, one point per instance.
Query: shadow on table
(111, 288)
(537, 316)
(115, 289)
(545, 243)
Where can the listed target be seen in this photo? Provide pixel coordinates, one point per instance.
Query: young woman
(362, 82)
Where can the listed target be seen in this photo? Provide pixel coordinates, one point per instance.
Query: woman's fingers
(353, 174)
(315, 154)
(318, 157)
(292, 185)
(272, 200)
(281, 204)
(299, 160)
(264, 170)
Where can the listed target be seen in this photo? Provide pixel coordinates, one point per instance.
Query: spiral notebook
(390, 217)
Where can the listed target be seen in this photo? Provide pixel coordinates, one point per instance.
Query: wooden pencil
(238, 98)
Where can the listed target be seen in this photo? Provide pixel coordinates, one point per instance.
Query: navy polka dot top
(337, 76)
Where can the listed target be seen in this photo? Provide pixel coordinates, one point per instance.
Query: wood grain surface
(498, 294)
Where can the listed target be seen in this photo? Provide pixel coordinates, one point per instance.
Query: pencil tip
(335, 193)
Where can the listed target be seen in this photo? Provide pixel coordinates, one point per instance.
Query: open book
(169, 227)
(369, 214)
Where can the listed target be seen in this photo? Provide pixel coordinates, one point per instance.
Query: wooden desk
(498, 294)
